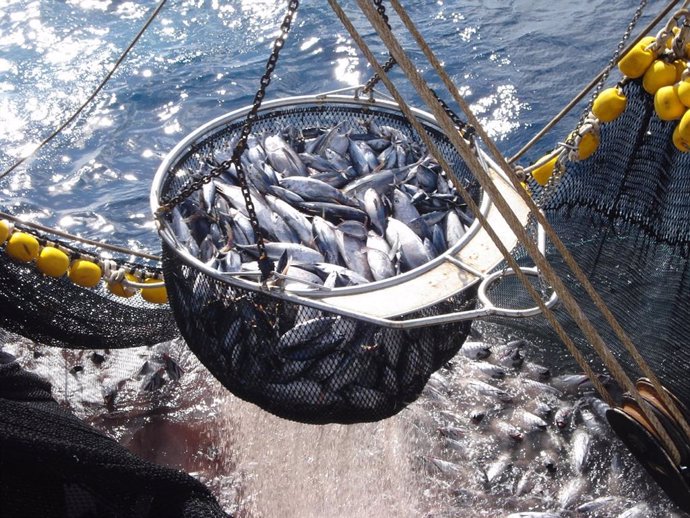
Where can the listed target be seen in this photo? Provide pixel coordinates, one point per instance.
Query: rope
(599, 303)
(433, 150)
(93, 95)
(558, 286)
(593, 83)
(105, 246)
(550, 232)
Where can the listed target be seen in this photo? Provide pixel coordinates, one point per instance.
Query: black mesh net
(53, 464)
(55, 311)
(624, 214)
(293, 360)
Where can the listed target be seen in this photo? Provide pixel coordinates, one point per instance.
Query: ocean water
(516, 62)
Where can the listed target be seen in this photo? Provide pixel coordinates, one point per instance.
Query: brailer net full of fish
(345, 196)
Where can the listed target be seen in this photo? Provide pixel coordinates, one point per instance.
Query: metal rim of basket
(308, 297)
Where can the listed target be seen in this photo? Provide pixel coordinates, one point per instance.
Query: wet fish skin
(412, 249)
(563, 417)
(598, 504)
(535, 371)
(295, 251)
(299, 224)
(334, 211)
(373, 206)
(486, 389)
(580, 453)
(488, 369)
(380, 264)
(324, 237)
(497, 468)
(475, 350)
(529, 422)
(306, 332)
(444, 466)
(571, 492)
(312, 189)
(283, 158)
(353, 252)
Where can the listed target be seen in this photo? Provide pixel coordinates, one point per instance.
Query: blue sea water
(516, 62)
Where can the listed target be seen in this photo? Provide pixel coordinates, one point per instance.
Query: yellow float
(52, 262)
(609, 104)
(636, 62)
(22, 247)
(85, 273)
(157, 295)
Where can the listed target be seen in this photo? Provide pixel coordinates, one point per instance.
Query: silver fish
(374, 208)
(312, 189)
(475, 350)
(296, 252)
(380, 264)
(571, 492)
(294, 218)
(283, 158)
(579, 455)
(403, 209)
(325, 239)
(412, 249)
(353, 252)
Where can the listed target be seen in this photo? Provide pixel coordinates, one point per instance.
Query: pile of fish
(513, 437)
(341, 206)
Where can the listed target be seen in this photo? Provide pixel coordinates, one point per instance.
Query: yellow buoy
(683, 90)
(85, 273)
(542, 173)
(588, 145)
(667, 104)
(636, 62)
(5, 230)
(684, 126)
(119, 289)
(154, 295)
(657, 75)
(52, 262)
(609, 104)
(681, 143)
(22, 247)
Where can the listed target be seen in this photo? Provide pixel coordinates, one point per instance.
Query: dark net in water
(624, 214)
(295, 361)
(53, 464)
(60, 313)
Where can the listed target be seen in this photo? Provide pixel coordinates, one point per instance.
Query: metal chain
(559, 170)
(265, 265)
(373, 80)
(466, 130)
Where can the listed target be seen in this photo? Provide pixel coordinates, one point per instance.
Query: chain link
(390, 63)
(560, 166)
(265, 265)
(467, 131)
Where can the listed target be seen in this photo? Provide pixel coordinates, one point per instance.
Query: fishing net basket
(234, 325)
